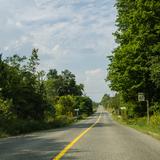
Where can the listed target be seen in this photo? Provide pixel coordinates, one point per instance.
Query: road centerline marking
(62, 152)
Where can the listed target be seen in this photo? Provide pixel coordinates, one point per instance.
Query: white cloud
(94, 73)
(95, 85)
(18, 24)
(73, 34)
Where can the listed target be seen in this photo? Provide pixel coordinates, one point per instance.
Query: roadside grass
(3, 134)
(140, 125)
(19, 127)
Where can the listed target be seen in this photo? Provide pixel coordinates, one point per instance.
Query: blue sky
(70, 34)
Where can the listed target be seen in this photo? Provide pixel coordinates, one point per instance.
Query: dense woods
(135, 62)
(31, 99)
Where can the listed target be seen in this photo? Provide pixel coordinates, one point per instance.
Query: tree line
(31, 99)
(135, 62)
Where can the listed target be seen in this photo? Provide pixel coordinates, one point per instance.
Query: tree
(23, 86)
(105, 100)
(52, 74)
(155, 70)
(84, 104)
(65, 106)
(63, 84)
(33, 61)
(132, 67)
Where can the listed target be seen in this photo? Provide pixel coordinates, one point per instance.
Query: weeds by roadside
(140, 124)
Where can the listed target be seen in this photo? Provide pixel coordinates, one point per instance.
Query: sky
(70, 34)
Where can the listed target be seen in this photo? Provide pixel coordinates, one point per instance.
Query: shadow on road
(30, 147)
(43, 145)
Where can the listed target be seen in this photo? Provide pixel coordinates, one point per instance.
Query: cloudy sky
(70, 34)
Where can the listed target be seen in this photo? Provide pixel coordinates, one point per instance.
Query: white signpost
(141, 98)
(77, 112)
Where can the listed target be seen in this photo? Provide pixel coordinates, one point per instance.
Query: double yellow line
(62, 153)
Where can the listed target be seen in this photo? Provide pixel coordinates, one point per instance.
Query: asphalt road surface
(105, 140)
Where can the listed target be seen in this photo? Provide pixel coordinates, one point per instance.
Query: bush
(65, 106)
(155, 120)
(63, 120)
(5, 109)
(18, 126)
(155, 108)
(85, 105)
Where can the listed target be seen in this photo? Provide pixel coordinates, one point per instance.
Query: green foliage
(63, 84)
(5, 109)
(129, 109)
(105, 100)
(155, 120)
(84, 104)
(135, 63)
(65, 106)
(95, 106)
(141, 124)
(21, 85)
(33, 61)
(155, 70)
(62, 120)
(112, 103)
(155, 108)
(31, 101)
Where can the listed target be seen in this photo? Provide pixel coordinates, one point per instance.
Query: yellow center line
(62, 153)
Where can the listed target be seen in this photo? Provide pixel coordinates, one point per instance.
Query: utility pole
(147, 101)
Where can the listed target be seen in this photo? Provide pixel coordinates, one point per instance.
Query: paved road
(107, 140)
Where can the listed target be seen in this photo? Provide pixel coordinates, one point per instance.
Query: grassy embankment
(140, 124)
(19, 127)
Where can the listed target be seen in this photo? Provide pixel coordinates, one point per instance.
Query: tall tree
(63, 84)
(135, 62)
(21, 85)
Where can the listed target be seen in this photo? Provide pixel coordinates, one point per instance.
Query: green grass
(140, 125)
(3, 134)
(18, 127)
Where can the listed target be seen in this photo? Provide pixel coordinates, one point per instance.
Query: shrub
(62, 120)
(85, 105)
(5, 109)
(155, 120)
(65, 106)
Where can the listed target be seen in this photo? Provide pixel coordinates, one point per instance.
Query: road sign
(141, 97)
(77, 112)
(123, 108)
